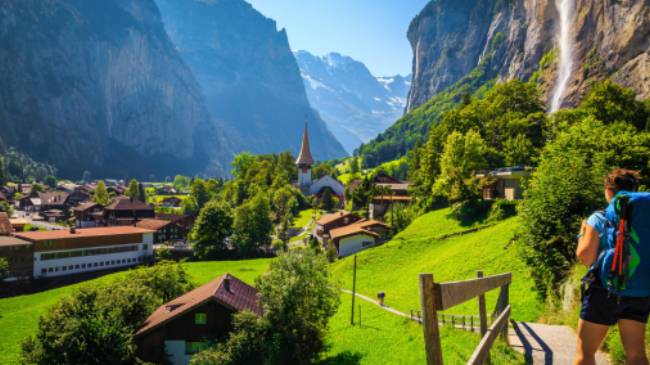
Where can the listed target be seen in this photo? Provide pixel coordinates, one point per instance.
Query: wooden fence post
(502, 303)
(428, 299)
(482, 313)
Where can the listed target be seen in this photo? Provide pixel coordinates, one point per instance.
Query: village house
(171, 202)
(17, 252)
(394, 192)
(190, 323)
(328, 222)
(55, 201)
(165, 231)
(30, 204)
(88, 214)
(75, 251)
(184, 221)
(126, 211)
(503, 183)
(358, 236)
(305, 183)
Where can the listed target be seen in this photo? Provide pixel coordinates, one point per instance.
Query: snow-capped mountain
(355, 104)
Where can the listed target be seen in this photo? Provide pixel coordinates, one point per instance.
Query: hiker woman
(600, 307)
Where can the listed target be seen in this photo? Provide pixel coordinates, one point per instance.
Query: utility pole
(354, 288)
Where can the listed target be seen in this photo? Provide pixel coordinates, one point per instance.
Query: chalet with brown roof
(328, 222)
(88, 214)
(394, 192)
(126, 211)
(190, 323)
(166, 231)
(19, 255)
(358, 236)
(55, 200)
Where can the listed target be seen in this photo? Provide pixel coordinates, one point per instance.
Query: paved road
(544, 344)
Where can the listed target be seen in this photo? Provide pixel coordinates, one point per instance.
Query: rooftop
(153, 224)
(82, 207)
(83, 232)
(329, 218)
(304, 157)
(12, 241)
(126, 203)
(238, 297)
(356, 228)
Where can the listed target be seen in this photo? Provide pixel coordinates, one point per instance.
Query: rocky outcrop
(450, 38)
(355, 104)
(98, 86)
(248, 74)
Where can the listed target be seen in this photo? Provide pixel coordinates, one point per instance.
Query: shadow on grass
(342, 358)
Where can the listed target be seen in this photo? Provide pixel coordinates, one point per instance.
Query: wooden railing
(436, 297)
(460, 321)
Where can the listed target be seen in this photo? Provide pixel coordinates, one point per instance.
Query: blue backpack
(624, 267)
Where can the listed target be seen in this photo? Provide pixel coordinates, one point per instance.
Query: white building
(305, 182)
(358, 236)
(63, 252)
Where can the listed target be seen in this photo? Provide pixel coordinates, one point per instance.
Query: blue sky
(371, 31)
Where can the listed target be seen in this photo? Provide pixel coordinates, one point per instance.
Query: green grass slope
(384, 338)
(19, 315)
(394, 267)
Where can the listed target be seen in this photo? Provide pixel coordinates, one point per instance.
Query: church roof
(304, 158)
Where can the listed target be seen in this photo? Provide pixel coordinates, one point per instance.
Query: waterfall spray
(565, 43)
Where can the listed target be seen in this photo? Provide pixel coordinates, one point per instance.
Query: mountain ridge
(355, 104)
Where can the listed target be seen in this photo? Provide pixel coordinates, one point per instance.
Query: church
(305, 183)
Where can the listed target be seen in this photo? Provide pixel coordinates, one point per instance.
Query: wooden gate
(436, 297)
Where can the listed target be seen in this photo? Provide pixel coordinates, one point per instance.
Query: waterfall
(565, 44)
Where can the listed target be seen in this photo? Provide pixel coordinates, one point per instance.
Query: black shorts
(601, 307)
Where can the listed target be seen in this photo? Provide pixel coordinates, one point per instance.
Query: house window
(43, 271)
(200, 318)
(144, 247)
(194, 347)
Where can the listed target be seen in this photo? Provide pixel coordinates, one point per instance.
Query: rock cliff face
(517, 38)
(98, 86)
(355, 104)
(248, 74)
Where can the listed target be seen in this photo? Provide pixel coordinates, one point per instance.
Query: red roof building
(187, 324)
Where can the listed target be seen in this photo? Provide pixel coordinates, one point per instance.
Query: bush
(502, 209)
(299, 299)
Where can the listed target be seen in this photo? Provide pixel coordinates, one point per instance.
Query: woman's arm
(587, 250)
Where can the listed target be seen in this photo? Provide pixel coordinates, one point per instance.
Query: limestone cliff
(248, 74)
(450, 38)
(98, 86)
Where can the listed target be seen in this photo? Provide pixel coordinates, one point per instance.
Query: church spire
(304, 158)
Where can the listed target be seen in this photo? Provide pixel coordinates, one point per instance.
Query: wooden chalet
(88, 214)
(166, 231)
(126, 211)
(192, 322)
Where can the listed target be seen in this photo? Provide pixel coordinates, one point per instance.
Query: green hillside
(394, 267)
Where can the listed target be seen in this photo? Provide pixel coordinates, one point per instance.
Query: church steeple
(304, 162)
(304, 157)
